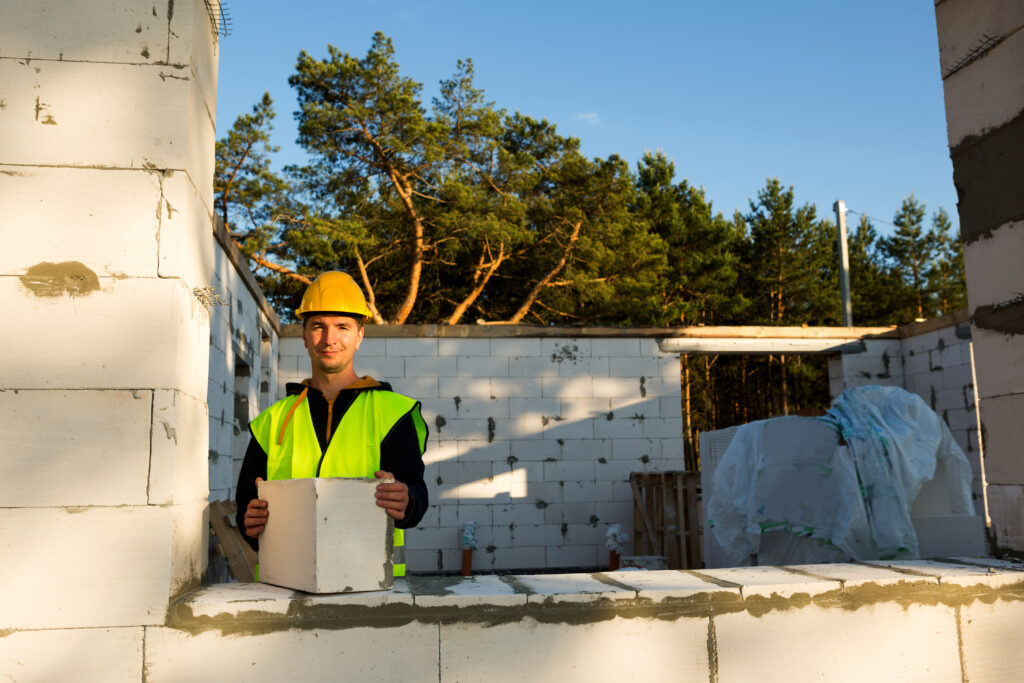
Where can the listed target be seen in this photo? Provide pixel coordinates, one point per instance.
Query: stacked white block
(981, 51)
(105, 180)
(531, 438)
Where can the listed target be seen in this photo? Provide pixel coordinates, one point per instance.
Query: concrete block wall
(946, 621)
(532, 438)
(933, 360)
(244, 334)
(981, 55)
(106, 118)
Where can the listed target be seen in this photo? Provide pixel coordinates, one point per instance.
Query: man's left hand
(393, 497)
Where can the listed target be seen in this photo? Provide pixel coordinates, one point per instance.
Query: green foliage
(461, 212)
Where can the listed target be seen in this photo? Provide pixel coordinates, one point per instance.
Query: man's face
(331, 341)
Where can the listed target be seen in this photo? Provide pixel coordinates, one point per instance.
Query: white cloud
(590, 118)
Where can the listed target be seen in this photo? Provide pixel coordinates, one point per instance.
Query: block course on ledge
(858, 621)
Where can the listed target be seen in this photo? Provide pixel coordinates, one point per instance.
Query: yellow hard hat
(333, 292)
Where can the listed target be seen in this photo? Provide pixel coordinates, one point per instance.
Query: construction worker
(337, 424)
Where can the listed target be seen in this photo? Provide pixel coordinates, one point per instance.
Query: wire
(872, 218)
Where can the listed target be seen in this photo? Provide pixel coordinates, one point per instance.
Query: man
(337, 424)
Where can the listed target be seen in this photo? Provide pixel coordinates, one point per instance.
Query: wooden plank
(693, 550)
(681, 528)
(241, 558)
(638, 501)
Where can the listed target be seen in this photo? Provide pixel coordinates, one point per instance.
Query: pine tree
(909, 251)
(946, 274)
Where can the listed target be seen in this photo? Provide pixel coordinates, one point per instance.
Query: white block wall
(532, 438)
(106, 122)
(981, 50)
(243, 366)
(935, 365)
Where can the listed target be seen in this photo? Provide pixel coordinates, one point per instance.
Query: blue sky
(841, 100)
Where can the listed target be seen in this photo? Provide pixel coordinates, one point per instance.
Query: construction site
(568, 535)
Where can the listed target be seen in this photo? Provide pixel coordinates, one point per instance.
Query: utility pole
(844, 263)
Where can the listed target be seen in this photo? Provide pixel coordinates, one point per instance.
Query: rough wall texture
(106, 160)
(531, 438)
(932, 360)
(981, 48)
(243, 363)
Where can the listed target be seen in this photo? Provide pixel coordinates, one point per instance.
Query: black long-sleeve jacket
(399, 451)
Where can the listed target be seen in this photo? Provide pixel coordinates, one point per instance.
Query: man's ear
(359, 336)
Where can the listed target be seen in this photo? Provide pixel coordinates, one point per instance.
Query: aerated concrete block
(62, 214)
(97, 440)
(280, 654)
(117, 334)
(992, 634)
(194, 43)
(61, 113)
(185, 238)
(326, 535)
(985, 94)
(97, 31)
(113, 564)
(1006, 507)
(884, 641)
(180, 449)
(999, 363)
(993, 267)
(1003, 436)
(83, 654)
(617, 649)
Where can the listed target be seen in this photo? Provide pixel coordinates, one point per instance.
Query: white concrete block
(538, 535)
(518, 513)
(999, 363)
(325, 536)
(1006, 507)
(991, 635)
(532, 366)
(84, 654)
(127, 334)
(516, 387)
(579, 491)
(772, 581)
(617, 649)
(572, 470)
(635, 367)
(572, 514)
(618, 387)
(194, 43)
(189, 546)
(584, 367)
(121, 561)
(464, 387)
(400, 346)
(663, 427)
(986, 94)
(533, 450)
(658, 585)
(469, 592)
(518, 558)
(470, 408)
(572, 556)
(570, 588)
(108, 31)
(569, 387)
(382, 369)
(962, 23)
(619, 428)
(463, 348)
(476, 366)
(467, 430)
(520, 346)
(1004, 434)
(565, 349)
(886, 641)
(483, 451)
(418, 366)
(320, 654)
(97, 440)
(103, 114)
(535, 407)
(185, 238)
(647, 407)
(568, 429)
(419, 388)
(997, 254)
(615, 347)
(66, 215)
(370, 346)
(587, 449)
(180, 448)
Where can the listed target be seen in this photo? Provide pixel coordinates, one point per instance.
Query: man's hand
(256, 515)
(394, 498)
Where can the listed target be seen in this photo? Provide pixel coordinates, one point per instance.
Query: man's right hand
(256, 515)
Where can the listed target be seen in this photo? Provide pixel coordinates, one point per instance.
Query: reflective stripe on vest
(285, 432)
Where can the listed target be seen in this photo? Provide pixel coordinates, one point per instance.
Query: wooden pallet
(666, 517)
(229, 542)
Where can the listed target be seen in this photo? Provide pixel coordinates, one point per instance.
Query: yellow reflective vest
(285, 432)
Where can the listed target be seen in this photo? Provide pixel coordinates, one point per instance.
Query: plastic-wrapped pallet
(840, 487)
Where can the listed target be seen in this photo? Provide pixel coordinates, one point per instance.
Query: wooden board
(666, 511)
(241, 558)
